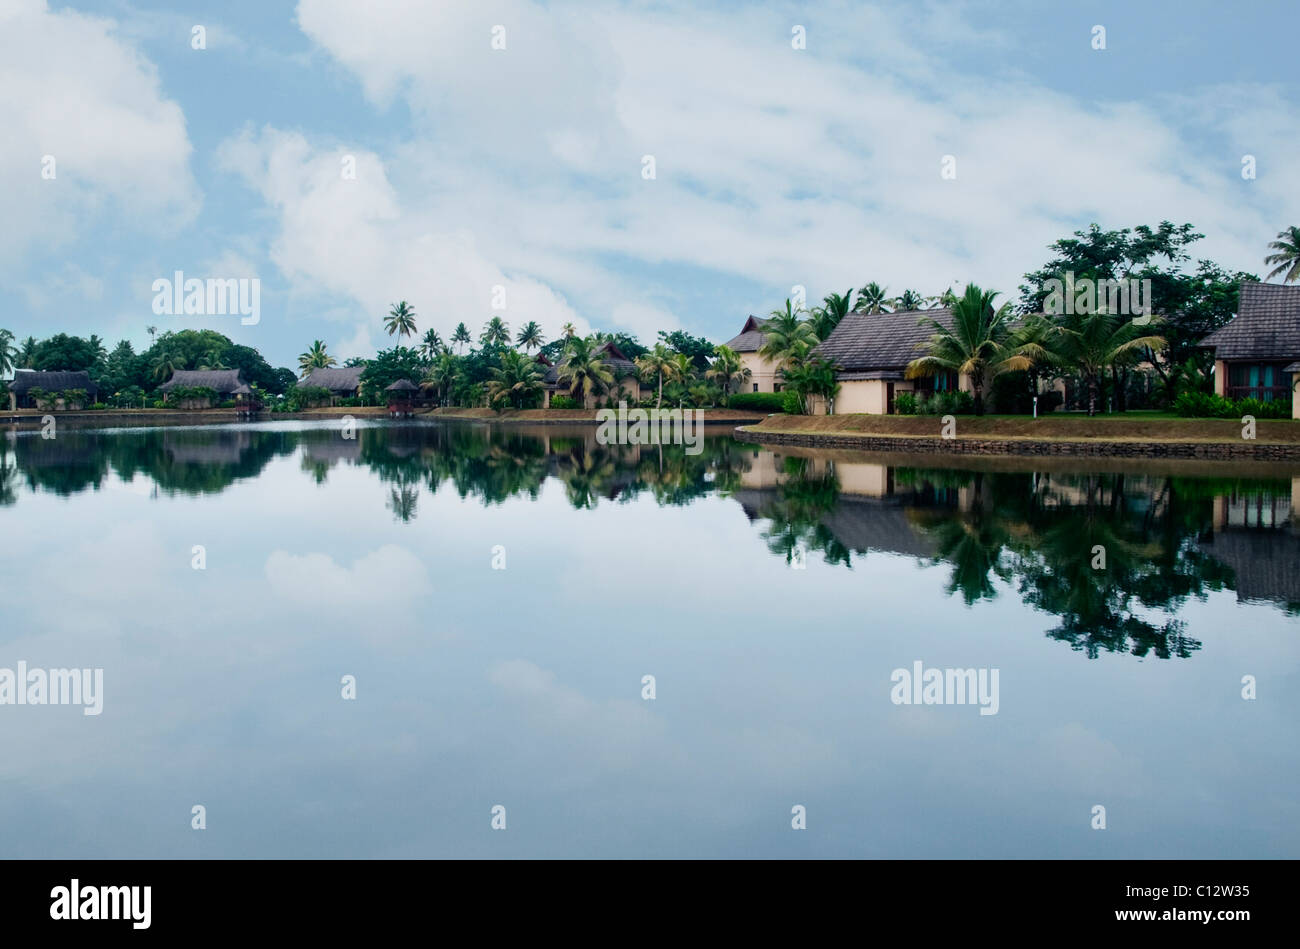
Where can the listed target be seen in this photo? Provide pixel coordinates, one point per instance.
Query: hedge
(758, 401)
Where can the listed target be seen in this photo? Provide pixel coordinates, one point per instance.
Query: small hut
(401, 398)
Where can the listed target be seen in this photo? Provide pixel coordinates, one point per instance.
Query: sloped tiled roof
(221, 381)
(751, 338)
(866, 341)
(1267, 325)
(54, 381)
(345, 379)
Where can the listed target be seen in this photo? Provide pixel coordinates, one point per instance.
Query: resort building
(342, 383)
(628, 388)
(872, 350)
(1257, 355)
(226, 383)
(764, 374)
(51, 383)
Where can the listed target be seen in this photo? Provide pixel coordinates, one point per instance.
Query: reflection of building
(872, 351)
(207, 448)
(1258, 536)
(1255, 355)
(764, 376)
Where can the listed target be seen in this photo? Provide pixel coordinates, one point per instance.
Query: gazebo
(401, 397)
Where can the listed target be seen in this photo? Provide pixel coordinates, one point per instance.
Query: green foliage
(70, 353)
(791, 401)
(305, 397)
(566, 402)
(190, 394)
(127, 398)
(758, 401)
(946, 403)
(696, 348)
(905, 403)
(387, 367)
(1209, 405)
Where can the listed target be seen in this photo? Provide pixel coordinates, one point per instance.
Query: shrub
(947, 403)
(132, 397)
(791, 402)
(564, 402)
(1209, 405)
(905, 403)
(759, 401)
(228, 404)
(99, 406)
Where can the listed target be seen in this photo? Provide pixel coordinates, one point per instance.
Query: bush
(759, 401)
(228, 404)
(946, 403)
(905, 403)
(791, 402)
(99, 406)
(1209, 405)
(564, 402)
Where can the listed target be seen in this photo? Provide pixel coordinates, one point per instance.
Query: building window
(755, 386)
(1264, 381)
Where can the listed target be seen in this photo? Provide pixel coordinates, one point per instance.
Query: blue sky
(522, 167)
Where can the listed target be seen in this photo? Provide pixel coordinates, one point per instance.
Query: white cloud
(71, 89)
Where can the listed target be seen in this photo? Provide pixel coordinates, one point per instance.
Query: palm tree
(152, 331)
(212, 360)
(166, 363)
(432, 344)
(315, 358)
(813, 377)
(442, 375)
(530, 337)
(584, 370)
(516, 381)
(872, 299)
(27, 353)
(909, 300)
(461, 337)
(7, 351)
(1093, 343)
(727, 370)
(569, 330)
(400, 320)
(974, 345)
(495, 330)
(1287, 257)
(658, 363)
(788, 336)
(835, 306)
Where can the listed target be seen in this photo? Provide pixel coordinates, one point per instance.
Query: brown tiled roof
(751, 338)
(867, 341)
(221, 381)
(1267, 325)
(344, 379)
(53, 381)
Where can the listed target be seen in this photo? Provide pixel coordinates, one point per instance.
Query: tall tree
(461, 336)
(530, 337)
(431, 345)
(789, 335)
(314, 358)
(657, 364)
(583, 370)
(8, 352)
(909, 300)
(400, 320)
(873, 299)
(1094, 343)
(835, 306)
(496, 332)
(728, 370)
(516, 382)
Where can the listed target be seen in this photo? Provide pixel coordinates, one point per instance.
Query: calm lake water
(771, 596)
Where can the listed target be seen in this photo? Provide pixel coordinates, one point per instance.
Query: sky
(793, 145)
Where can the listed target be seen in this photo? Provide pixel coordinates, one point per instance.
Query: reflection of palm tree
(402, 501)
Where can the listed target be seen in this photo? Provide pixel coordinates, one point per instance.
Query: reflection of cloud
(389, 576)
(1081, 760)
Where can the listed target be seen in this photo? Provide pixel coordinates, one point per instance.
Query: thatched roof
(222, 381)
(402, 385)
(1267, 325)
(54, 381)
(1263, 560)
(751, 338)
(879, 341)
(347, 379)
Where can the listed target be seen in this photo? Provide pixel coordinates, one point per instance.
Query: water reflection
(1113, 556)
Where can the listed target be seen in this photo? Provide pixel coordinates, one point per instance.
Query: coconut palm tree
(400, 320)
(658, 363)
(495, 330)
(212, 360)
(27, 353)
(835, 306)
(441, 376)
(584, 370)
(516, 381)
(431, 345)
(728, 370)
(152, 331)
(166, 363)
(909, 300)
(530, 337)
(569, 330)
(1287, 257)
(315, 358)
(872, 299)
(975, 345)
(684, 370)
(1092, 343)
(7, 351)
(788, 335)
(461, 336)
